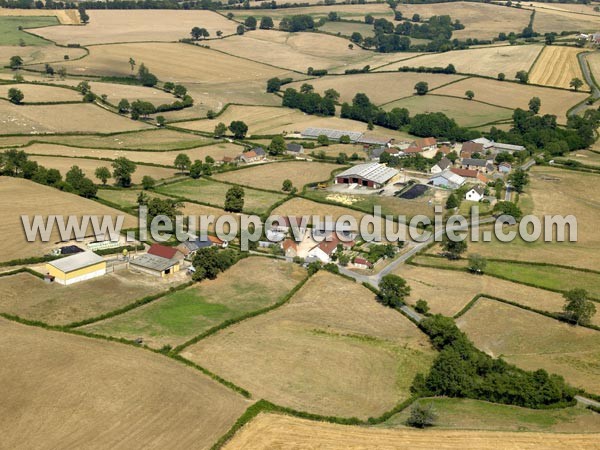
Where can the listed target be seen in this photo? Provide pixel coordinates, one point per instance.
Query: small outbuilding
(79, 267)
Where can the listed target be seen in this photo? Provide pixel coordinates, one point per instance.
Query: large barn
(373, 175)
(79, 267)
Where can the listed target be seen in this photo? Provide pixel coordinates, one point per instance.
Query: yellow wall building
(79, 267)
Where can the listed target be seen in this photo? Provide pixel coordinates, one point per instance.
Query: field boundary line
(230, 322)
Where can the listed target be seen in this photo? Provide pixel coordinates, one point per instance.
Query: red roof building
(163, 251)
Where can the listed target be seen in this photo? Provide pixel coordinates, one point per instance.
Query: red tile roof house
(468, 148)
(428, 143)
(165, 252)
(290, 248)
(362, 263)
(470, 175)
(325, 249)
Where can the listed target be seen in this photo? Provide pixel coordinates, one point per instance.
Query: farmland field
(39, 54)
(37, 199)
(488, 61)
(216, 151)
(64, 16)
(547, 20)
(347, 28)
(29, 297)
(213, 193)
(89, 166)
(533, 341)
(586, 157)
(447, 292)
(262, 120)
(466, 113)
(150, 139)
(271, 176)
(568, 7)
(33, 119)
(457, 413)
(172, 62)
(482, 20)
(332, 350)
(40, 93)
(113, 26)
(267, 431)
(513, 95)
(184, 314)
(593, 60)
(397, 85)
(115, 92)
(10, 34)
(299, 51)
(51, 393)
(557, 66)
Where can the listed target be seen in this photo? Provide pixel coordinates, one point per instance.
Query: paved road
(589, 80)
(528, 164)
(508, 194)
(587, 401)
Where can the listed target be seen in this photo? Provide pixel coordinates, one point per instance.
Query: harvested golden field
(90, 165)
(38, 54)
(548, 20)
(466, 113)
(448, 291)
(566, 7)
(84, 117)
(39, 93)
(216, 151)
(586, 156)
(107, 26)
(593, 60)
(176, 62)
(557, 66)
(153, 138)
(555, 191)
(488, 61)
(64, 16)
(263, 120)
(349, 12)
(115, 92)
(333, 350)
(35, 199)
(71, 392)
(180, 316)
(532, 341)
(269, 431)
(30, 298)
(513, 95)
(380, 87)
(481, 20)
(294, 51)
(271, 176)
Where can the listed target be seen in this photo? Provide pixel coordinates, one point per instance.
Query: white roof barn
(369, 174)
(77, 261)
(335, 135)
(447, 179)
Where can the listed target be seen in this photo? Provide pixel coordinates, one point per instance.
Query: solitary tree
(454, 248)
(182, 162)
(15, 96)
(393, 290)
(519, 179)
(421, 306)
(250, 22)
(180, 91)
(501, 76)
(266, 23)
(422, 88)
(322, 139)
(148, 182)
(238, 128)
(534, 105)
(421, 416)
(234, 199)
(16, 62)
(103, 174)
(132, 64)
(576, 83)
(198, 33)
(277, 146)
(240, 29)
(287, 186)
(578, 308)
(522, 76)
(160, 121)
(220, 130)
(273, 84)
(124, 106)
(477, 263)
(452, 202)
(470, 95)
(123, 168)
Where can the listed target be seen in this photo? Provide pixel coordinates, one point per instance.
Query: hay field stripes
(556, 66)
(64, 16)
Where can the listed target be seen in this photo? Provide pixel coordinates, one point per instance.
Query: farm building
(499, 147)
(251, 156)
(361, 263)
(333, 135)
(79, 267)
(480, 165)
(441, 165)
(370, 139)
(428, 143)
(373, 175)
(155, 265)
(468, 149)
(447, 179)
(189, 248)
(504, 167)
(475, 194)
(294, 149)
(165, 252)
(471, 175)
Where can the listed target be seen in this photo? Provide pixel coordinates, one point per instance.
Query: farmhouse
(251, 156)
(294, 149)
(332, 135)
(373, 175)
(189, 248)
(470, 148)
(290, 248)
(480, 165)
(475, 194)
(325, 249)
(79, 267)
(428, 143)
(471, 175)
(361, 263)
(447, 179)
(441, 165)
